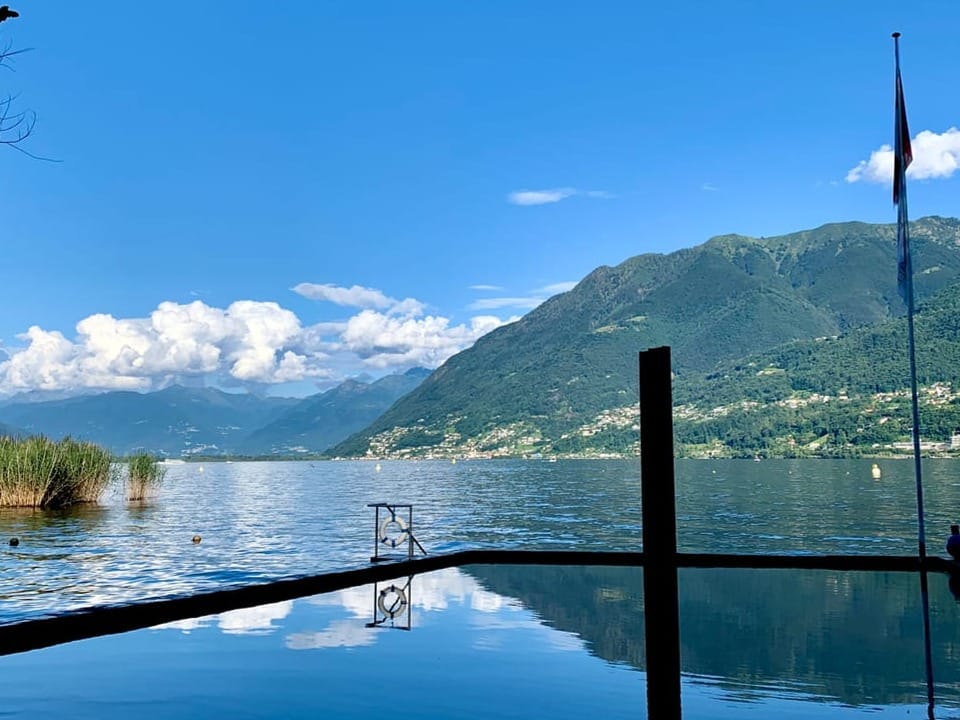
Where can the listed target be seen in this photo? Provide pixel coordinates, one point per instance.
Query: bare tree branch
(15, 127)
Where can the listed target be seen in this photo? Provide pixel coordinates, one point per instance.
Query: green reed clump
(145, 476)
(42, 473)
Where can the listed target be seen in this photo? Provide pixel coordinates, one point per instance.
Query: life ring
(384, 531)
(396, 606)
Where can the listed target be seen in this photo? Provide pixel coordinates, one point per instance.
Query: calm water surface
(515, 642)
(266, 520)
(753, 642)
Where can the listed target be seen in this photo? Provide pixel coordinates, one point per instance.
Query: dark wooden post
(660, 599)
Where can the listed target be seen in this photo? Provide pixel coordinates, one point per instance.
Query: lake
(802, 644)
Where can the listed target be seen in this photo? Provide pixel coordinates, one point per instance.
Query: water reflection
(850, 637)
(473, 654)
(748, 636)
(431, 593)
(262, 521)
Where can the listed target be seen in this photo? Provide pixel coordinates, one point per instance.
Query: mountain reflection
(853, 637)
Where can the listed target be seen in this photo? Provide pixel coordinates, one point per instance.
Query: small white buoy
(200, 469)
(453, 461)
(875, 472)
(377, 467)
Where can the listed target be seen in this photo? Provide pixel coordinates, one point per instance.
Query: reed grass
(145, 476)
(41, 473)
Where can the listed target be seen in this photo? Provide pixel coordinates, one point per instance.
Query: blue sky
(282, 195)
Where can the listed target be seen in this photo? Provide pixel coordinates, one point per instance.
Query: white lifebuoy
(384, 531)
(396, 606)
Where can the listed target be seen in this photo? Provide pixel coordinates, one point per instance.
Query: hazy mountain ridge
(320, 421)
(550, 381)
(183, 421)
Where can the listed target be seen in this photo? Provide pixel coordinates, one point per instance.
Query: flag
(902, 157)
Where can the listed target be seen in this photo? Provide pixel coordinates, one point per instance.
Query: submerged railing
(659, 559)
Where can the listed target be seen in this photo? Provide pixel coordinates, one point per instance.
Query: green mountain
(320, 421)
(564, 377)
(831, 396)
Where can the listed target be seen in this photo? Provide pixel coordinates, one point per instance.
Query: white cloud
(493, 288)
(709, 187)
(556, 288)
(382, 341)
(934, 156)
(554, 195)
(540, 197)
(249, 342)
(526, 302)
(355, 296)
(359, 297)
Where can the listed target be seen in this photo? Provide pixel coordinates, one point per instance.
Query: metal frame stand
(391, 602)
(381, 535)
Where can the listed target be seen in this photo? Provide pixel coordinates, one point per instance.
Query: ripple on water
(266, 520)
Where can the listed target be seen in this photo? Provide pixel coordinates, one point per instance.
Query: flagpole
(902, 158)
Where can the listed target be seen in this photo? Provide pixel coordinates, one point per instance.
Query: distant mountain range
(321, 421)
(783, 346)
(776, 343)
(182, 421)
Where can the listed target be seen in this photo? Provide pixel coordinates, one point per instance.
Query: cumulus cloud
(934, 156)
(247, 343)
(523, 302)
(383, 341)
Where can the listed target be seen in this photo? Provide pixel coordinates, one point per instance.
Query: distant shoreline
(941, 455)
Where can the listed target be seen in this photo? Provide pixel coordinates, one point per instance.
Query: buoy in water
(196, 539)
(875, 472)
(377, 467)
(14, 542)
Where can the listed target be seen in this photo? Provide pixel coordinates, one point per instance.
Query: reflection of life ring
(396, 605)
(384, 531)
